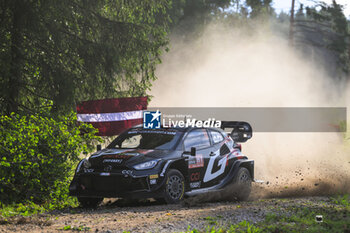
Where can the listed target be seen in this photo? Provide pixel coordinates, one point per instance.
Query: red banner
(112, 116)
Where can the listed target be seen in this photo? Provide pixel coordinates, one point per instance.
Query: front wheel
(242, 184)
(89, 202)
(174, 187)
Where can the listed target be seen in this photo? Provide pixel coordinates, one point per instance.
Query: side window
(216, 136)
(197, 138)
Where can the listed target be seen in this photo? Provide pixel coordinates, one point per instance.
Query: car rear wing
(241, 131)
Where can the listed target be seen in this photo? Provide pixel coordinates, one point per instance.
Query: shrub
(38, 155)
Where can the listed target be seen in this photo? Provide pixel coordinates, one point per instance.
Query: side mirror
(98, 147)
(192, 152)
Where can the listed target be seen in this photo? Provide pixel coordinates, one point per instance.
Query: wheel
(88, 202)
(242, 184)
(174, 187)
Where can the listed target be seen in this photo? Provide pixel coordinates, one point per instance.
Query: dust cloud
(230, 67)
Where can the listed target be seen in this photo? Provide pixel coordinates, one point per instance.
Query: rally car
(166, 163)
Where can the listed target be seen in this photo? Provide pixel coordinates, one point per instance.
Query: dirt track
(148, 216)
(153, 218)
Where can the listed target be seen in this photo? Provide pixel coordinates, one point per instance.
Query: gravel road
(155, 217)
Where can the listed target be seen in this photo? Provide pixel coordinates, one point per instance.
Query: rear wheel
(174, 187)
(242, 184)
(88, 202)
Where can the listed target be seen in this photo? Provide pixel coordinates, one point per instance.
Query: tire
(88, 202)
(242, 184)
(174, 187)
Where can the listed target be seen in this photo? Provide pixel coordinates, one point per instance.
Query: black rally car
(166, 163)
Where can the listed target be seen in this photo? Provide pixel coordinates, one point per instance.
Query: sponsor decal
(195, 184)
(155, 176)
(116, 156)
(195, 176)
(151, 120)
(198, 161)
(209, 175)
(112, 161)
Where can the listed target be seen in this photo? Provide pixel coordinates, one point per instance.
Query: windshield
(147, 139)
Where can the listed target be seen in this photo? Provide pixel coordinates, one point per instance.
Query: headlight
(146, 165)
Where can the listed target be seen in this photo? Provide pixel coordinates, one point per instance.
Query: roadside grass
(75, 228)
(294, 218)
(243, 226)
(342, 200)
(281, 218)
(7, 212)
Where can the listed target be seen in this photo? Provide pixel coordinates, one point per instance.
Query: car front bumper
(103, 184)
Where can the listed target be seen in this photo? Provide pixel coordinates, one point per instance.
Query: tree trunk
(14, 79)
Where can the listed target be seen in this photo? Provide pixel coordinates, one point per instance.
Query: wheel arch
(179, 165)
(248, 164)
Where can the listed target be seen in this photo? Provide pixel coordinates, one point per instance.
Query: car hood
(126, 157)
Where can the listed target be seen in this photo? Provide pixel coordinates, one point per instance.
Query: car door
(216, 163)
(199, 139)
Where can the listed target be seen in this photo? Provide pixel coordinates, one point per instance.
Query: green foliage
(29, 208)
(190, 16)
(332, 18)
(62, 52)
(75, 228)
(243, 226)
(342, 200)
(20, 209)
(302, 219)
(294, 218)
(211, 220)
(260, 8)
(38, 155)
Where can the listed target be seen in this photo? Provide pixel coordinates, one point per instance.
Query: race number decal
(222, 163)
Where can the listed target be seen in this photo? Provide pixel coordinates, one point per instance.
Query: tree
(260, 8)
(191, 15)
(61, 52)
(331, 27)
